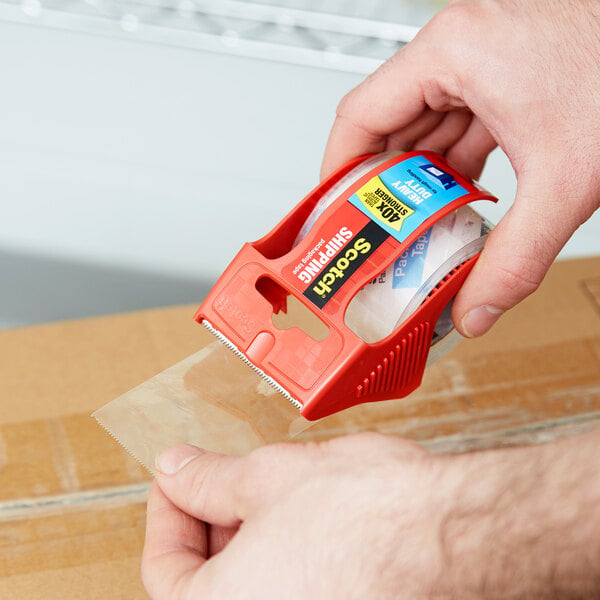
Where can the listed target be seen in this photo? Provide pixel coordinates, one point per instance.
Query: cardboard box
(72, 501)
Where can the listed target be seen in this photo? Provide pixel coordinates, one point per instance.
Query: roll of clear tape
(383, 304)
(343, 184)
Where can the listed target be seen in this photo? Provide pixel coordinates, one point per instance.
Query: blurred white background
(131, 171)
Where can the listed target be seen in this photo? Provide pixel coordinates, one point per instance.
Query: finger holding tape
(450, 129)
(388, 102)
(517, 254)
(223, 490)
(470, 152)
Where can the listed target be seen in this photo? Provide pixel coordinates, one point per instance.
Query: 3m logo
(234, 313)
(438, 176)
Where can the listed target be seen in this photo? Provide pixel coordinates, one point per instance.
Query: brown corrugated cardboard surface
(71, 500)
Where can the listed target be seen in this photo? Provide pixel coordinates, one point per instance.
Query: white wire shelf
(337, 34)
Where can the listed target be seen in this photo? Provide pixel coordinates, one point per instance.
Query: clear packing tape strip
(212, 399)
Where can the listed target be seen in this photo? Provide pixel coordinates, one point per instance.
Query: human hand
(373, 516)
(315, 521)
(522, 74)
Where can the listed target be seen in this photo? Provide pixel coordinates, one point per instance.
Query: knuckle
(283, 458)
(199, 484)
(267, 456)
(454, 35)
(345, 105)
(457, 16)
(519, 278)
(352, 106)
(263, 472)
(265, 460)
(351, 111)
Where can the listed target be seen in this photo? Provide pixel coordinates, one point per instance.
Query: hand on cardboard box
(521, 74)
(374, 516)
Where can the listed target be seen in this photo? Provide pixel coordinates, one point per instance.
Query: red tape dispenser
(371, 222)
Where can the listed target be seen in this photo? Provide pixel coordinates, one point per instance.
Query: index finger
(385, 103)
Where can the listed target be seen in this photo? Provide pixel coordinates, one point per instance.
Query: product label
(389, 206)
(402, 197)
(408, 269)
(321, 254)
(345, 263)
(382, 204)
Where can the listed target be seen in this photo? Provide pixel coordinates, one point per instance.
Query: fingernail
(478, 320)
(172, 460)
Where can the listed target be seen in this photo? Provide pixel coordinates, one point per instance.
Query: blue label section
(419, 184)
(408, 269)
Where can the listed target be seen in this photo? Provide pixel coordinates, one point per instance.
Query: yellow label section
(382, 204)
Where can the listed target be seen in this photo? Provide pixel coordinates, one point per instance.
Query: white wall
(151, 156)
(160, 159)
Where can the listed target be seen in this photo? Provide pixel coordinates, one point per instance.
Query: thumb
(516, 257)
(218, 489)
(202, 484)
